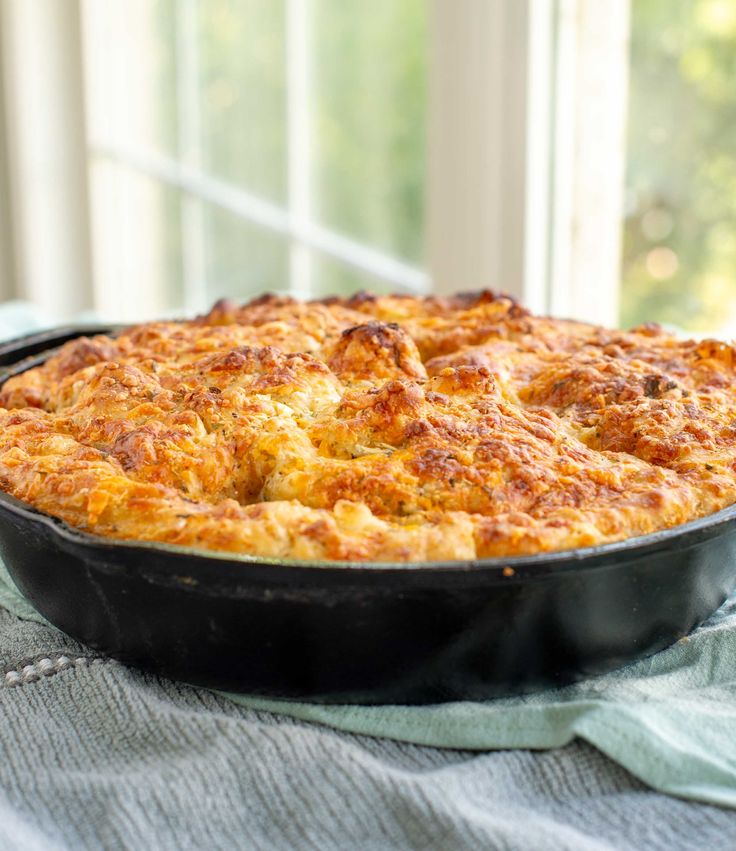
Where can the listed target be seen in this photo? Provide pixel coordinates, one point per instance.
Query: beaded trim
(46, 667)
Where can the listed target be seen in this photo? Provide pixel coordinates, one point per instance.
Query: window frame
(46, 165)
(508, 210)
(292, 221)
(7, 270)
(538, 209)
(588, 159)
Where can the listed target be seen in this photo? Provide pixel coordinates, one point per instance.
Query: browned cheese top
(374, 428)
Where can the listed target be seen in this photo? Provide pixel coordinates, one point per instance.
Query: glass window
(368, 124)
(331, 277)
(241, 92)
(241, 258)
(679, 255)
(136, 235)
(290, 134)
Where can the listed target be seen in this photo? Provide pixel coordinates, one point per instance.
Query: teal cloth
(670, 720)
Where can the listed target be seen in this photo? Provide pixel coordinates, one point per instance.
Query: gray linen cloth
(97, 755)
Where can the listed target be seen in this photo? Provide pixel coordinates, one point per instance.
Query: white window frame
(535, 210)
(46, 167)
(588, 159)
(525, 139)
(7, 269)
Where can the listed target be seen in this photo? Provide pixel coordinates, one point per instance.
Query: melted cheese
(374, 429)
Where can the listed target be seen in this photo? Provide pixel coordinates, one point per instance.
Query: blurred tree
(679, 254)
(369, 121)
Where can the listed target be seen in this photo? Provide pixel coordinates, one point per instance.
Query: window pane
(242, 96)
(205, 82)
(130, 74)
(680, 229)
(333, 277)
(136, 229)
(141, 250)
(241, 259)
(370, 79)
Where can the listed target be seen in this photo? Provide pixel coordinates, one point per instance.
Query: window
(575, 153)
(247, 145)
(679, 259)
(314, 146)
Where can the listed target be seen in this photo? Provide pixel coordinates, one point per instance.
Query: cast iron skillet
(385, 633)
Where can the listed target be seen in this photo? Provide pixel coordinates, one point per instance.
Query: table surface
(99, 755)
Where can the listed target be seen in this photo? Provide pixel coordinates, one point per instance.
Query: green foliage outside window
(679, 254)
(368, 107)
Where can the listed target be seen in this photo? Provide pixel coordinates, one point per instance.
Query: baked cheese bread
(374, 428)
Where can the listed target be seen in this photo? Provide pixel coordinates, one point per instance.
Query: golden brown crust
(375, 428)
